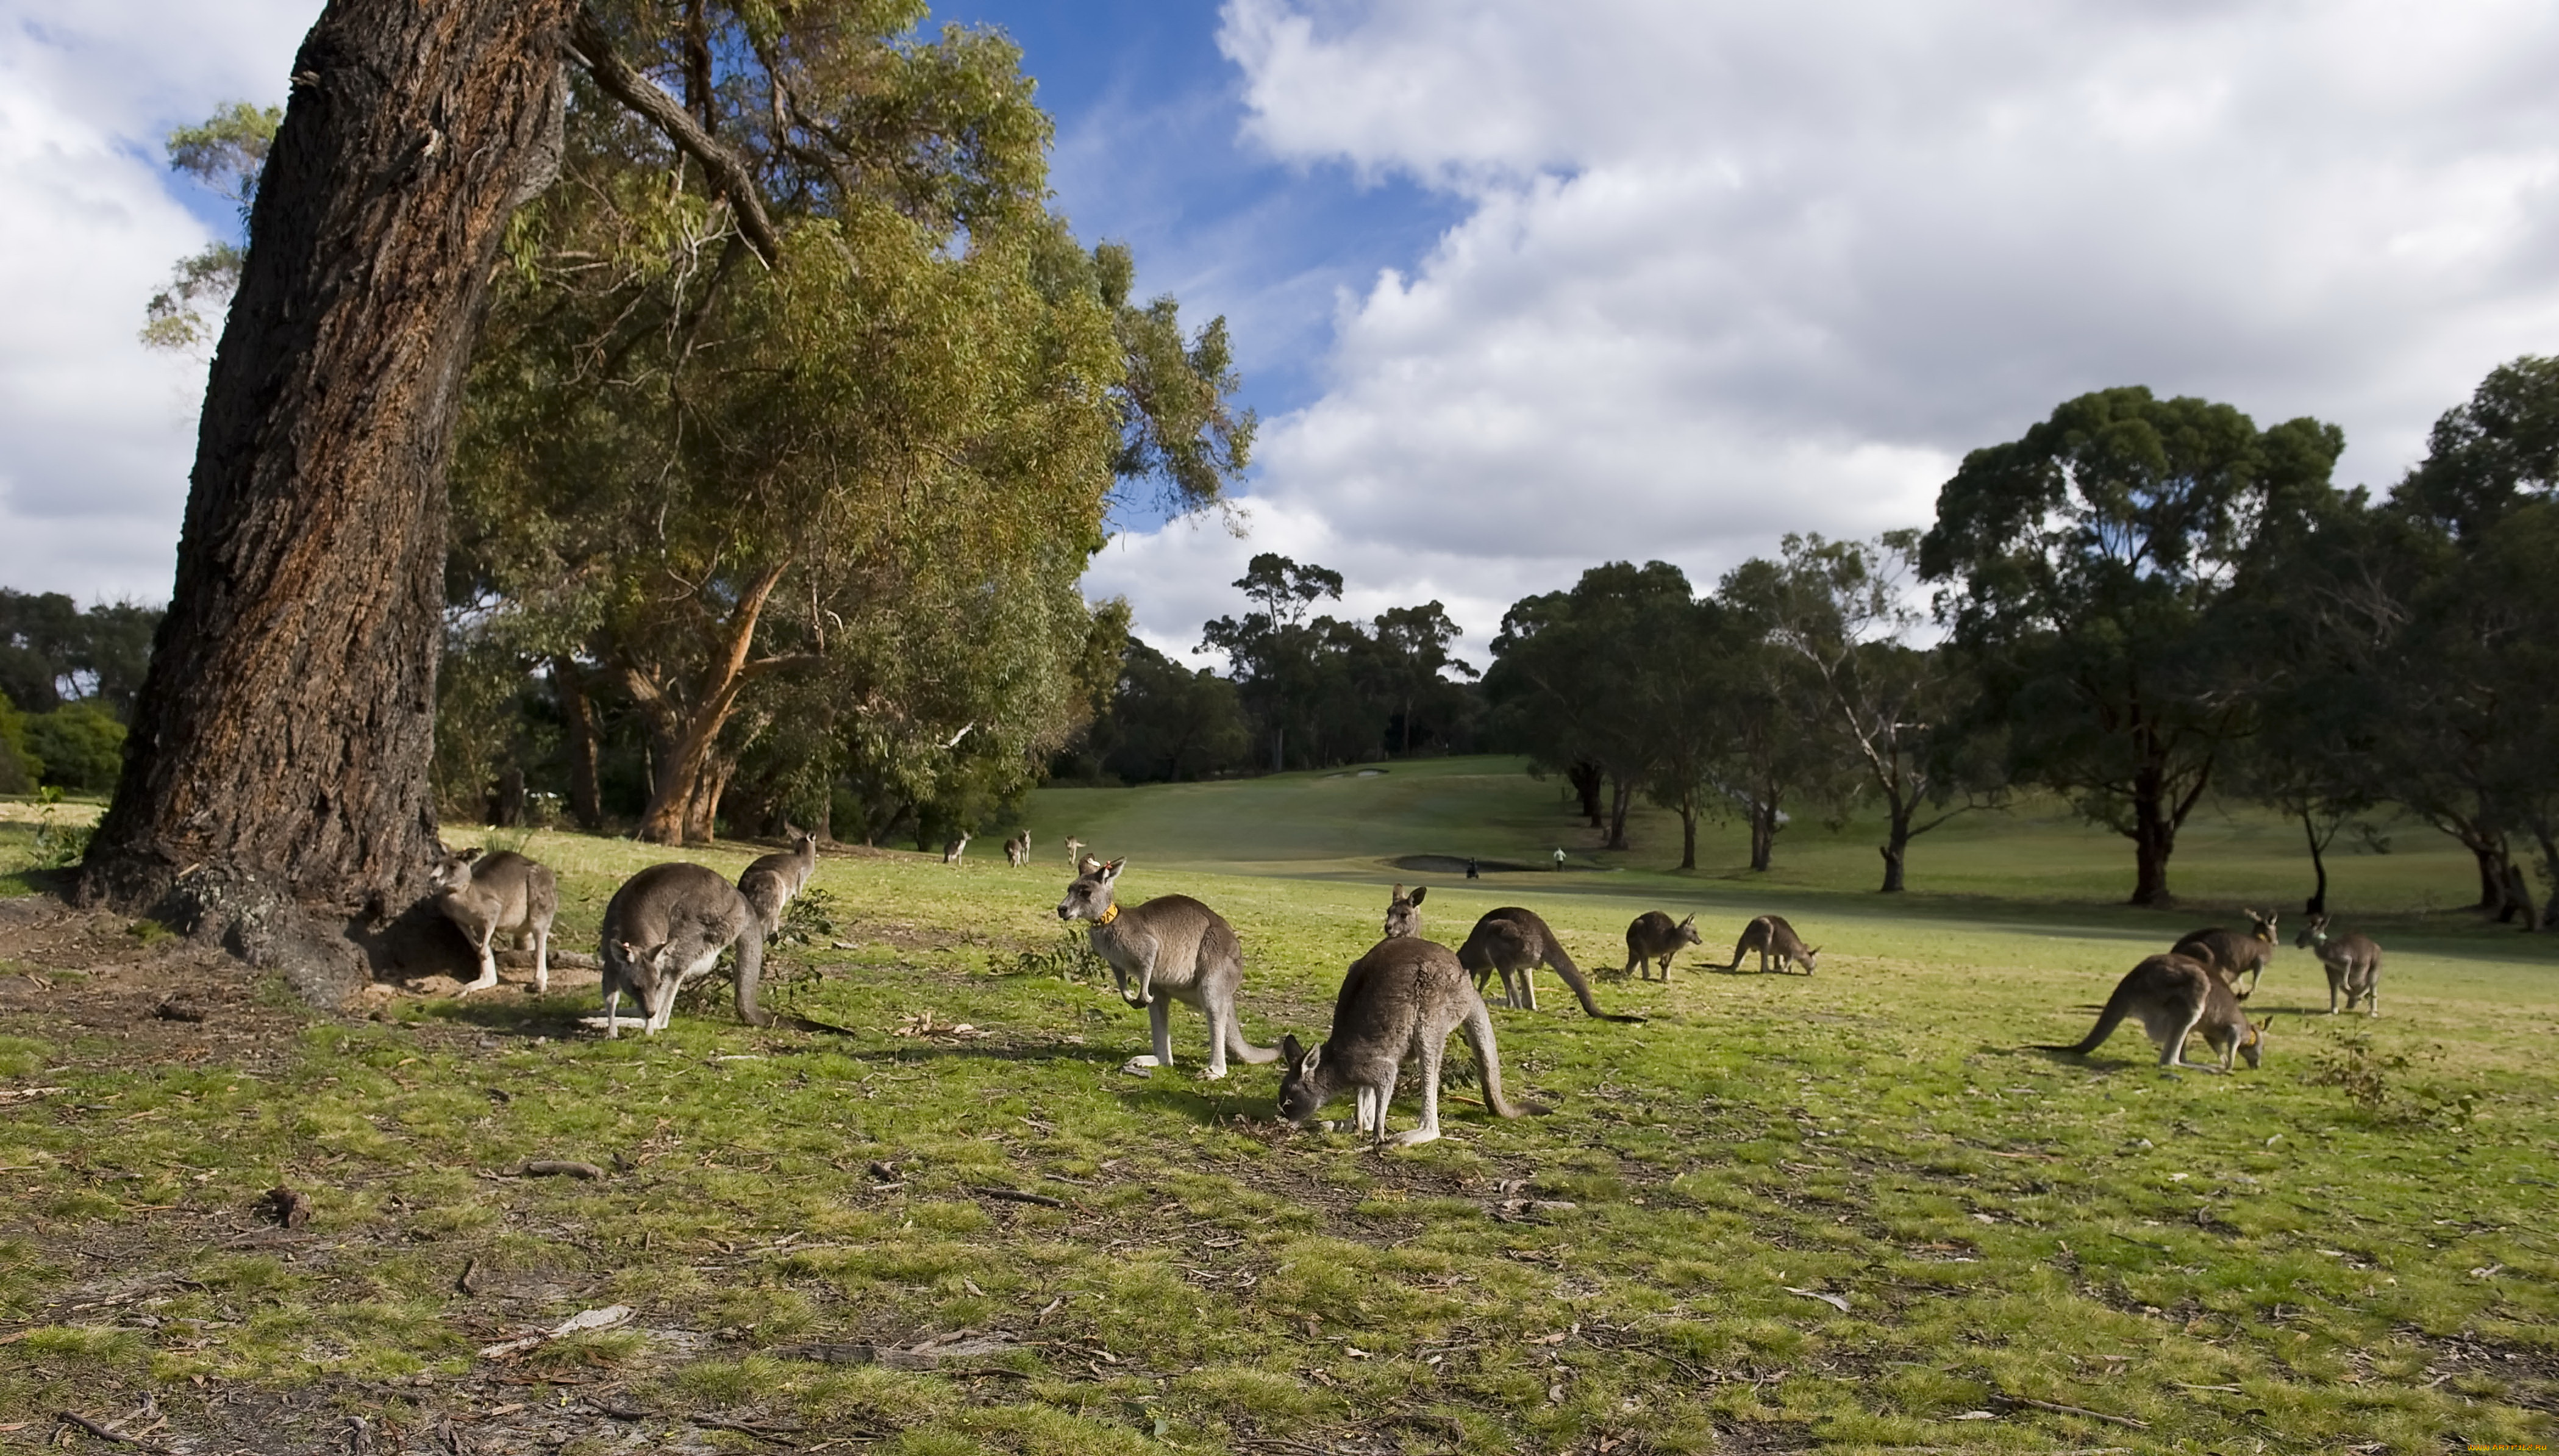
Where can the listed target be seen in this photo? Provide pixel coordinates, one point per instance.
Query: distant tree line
(1301, 692)
(67, 676)
(2139, 602)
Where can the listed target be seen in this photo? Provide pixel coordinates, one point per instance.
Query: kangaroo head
(2252, 1040)
(1688, 932)
(453, 872)
(1088, 898)
(2314, 930)
(1404, 912)
(1812, 957)
(2261, 925)
(1300, 1098)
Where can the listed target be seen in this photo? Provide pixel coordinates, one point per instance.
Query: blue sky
(1518, 288)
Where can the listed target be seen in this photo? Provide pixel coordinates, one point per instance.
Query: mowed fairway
(1839, 1211)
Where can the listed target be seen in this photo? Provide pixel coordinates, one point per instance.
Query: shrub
(80, 746)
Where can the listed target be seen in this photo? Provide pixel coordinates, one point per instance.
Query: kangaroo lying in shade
(2231, 953)
(1170, 948)
(502, 894)
(1400, 1000)
(1656, 937)
(1515, 942)
(2173, 997)
(667, 925)
(1774, 939)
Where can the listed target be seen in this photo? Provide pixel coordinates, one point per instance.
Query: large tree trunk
(1587, 778)
(1896, 848)
(1688, 837)
(690, 728)
(281, 742)
(1620, 801)
(577, 711)
(1763, 834)
(2154, 840)
(2318, 902)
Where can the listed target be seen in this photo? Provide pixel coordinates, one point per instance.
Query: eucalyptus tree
(1566, 666)
(2084, 564)
(227, 153)
(1893, 712)
(713, 461)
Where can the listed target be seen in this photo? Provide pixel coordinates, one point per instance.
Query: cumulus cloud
(96, 432)
(1733, 270)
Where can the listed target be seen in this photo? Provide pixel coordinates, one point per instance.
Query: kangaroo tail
(1478, 1029)
(2107, 1021)
(1572, 975)
(750, 969)
(1243, 1051)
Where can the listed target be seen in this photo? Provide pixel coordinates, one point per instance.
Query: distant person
(1474, 871)
(1559, 860)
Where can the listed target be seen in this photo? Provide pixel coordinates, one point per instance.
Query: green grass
(2350, 1248)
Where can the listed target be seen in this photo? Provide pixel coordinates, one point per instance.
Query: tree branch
(594, 46)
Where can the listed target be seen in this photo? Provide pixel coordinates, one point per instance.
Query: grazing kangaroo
(2353, 964)
(1773, 938)
(1404, 912)
(1516, 942)
(666, 926)
(951, 849)
(490, 895)
(2174, 996)
(1401, 1000)
(1173, 949)
(2231, 953)
(774, 880)
(1017, 849)
(1654, 937)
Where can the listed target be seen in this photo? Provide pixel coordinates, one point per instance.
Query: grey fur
(2353, 964)
(1404, 912)
(1400, 1000)
(1655, 936)
(667, 925)
(2175, 996)
(1171, 948)
(490, 895)
(2231, 953)
(1515, 942)
(1017, 849)
(774, 880)
(955, 847)
(1775, 940)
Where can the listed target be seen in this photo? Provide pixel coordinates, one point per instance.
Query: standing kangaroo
(1173, 949)
(2175, 996)
(2231, 953)
(1515, 942)
(490, 895)
(955, 847)
(1075, 852)
(774, 880)
(2353, 964)
(1773, 938)
(1017, 849)
(1655, 936)
(1401, 1000)
(667, 925)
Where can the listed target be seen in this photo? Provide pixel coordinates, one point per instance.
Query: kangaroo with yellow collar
(1170, 948)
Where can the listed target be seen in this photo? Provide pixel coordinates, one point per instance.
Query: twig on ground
(561, 1168)
(2059, 1408)
(74, 1417)
(1010, 1195)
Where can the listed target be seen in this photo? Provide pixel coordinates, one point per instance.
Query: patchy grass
(2349, 1249)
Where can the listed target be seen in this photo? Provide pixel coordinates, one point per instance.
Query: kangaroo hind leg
(1428, 1132)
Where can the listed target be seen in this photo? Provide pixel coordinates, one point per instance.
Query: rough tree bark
(687, 724)
(280, 747)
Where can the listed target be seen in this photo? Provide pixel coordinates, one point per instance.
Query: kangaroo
(1773, 938)
(666, 926)
(955, 847)
(1653, 937)
(1516, 942)
(1173, 949)
(1075, 852)
(1404, 912)
(774, 880)
(1401, 1000)
(2353, 964)
(2230, 952)
(490, 895)
(1017, 849)
(2174, 996)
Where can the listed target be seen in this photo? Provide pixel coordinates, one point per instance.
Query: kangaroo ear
(1110, 871)
(1289, 1051)
(1685, 924)
(1418, 892)
(1314, 1054)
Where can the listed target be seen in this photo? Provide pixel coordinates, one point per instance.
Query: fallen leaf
(1835, 1301)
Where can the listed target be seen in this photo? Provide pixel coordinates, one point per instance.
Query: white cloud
(1732, 270)
(96, 432)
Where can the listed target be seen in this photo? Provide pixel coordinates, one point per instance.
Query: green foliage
(79, 745)
(227, 153)
(18, 767)
(49, 646)
(811, 919)
(1069, 957)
